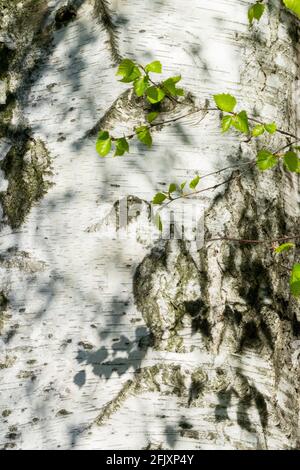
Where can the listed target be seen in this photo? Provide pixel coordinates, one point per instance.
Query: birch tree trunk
(112, 337)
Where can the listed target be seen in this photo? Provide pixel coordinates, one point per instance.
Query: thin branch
(210, 188)
(286, 146)
(256, 241)
(206, 109)
(280, 131)
(285, 267)
(169, 121)
(223, 182)
(231, 167)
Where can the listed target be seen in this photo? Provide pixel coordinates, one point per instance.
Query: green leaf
(182, 185)
(155, 94)
(291, 161)
(265, 160)
(158, 222)
(226, 123)
(103, 144)
(125, 67)
(155, 67)
(152, 116)
(141, 85)
(169, 86)
(194, 182)
(159, 198)
(255, 12)
(121, 147)
(295, 280)
(144, 135)
(284, 247)
(225, 102)
(258, 130)
(240, 122)
(271, 128)
(128, 71)
(172, 188)
(293, 5)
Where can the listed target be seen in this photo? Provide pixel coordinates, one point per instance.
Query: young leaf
(240, 122)
(256, 11)
(284, 247)
(226, 123)
(258, 130)
(155, 94)
(121, 147)
(291, 161)
(125, 67)
(295, 280)
(271, 128)
(194, 182)
(151, 116)
(103, 144)
(225, 102)
(293, 5)
(159, 198)
(170, 86)
(182, 185)
(128, 71)
(144, 135)
(141, 85)
(265, 160)
(172, 188)
(155, 67)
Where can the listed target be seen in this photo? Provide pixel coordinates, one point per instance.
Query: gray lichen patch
(27, 169)
(24, 35)
(6, 413)
(189, 433)
(26, 374)
(24, 31)
(167, 379)
(165, 281)
(197, 386)
(7, 361)
(21, 17)
(21, 260)
(6, 116)
(4, 316)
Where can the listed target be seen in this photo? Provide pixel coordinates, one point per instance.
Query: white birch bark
(115, 340)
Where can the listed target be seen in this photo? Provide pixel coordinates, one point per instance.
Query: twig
(286, 146)
(210, 188)
(253, 241)
(169, 121)
(206, 109)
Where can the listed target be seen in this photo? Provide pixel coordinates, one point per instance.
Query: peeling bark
(111, 337)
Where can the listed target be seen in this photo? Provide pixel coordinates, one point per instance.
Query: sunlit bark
(112, 338)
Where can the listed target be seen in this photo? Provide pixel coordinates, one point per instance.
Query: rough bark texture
(114, 340)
